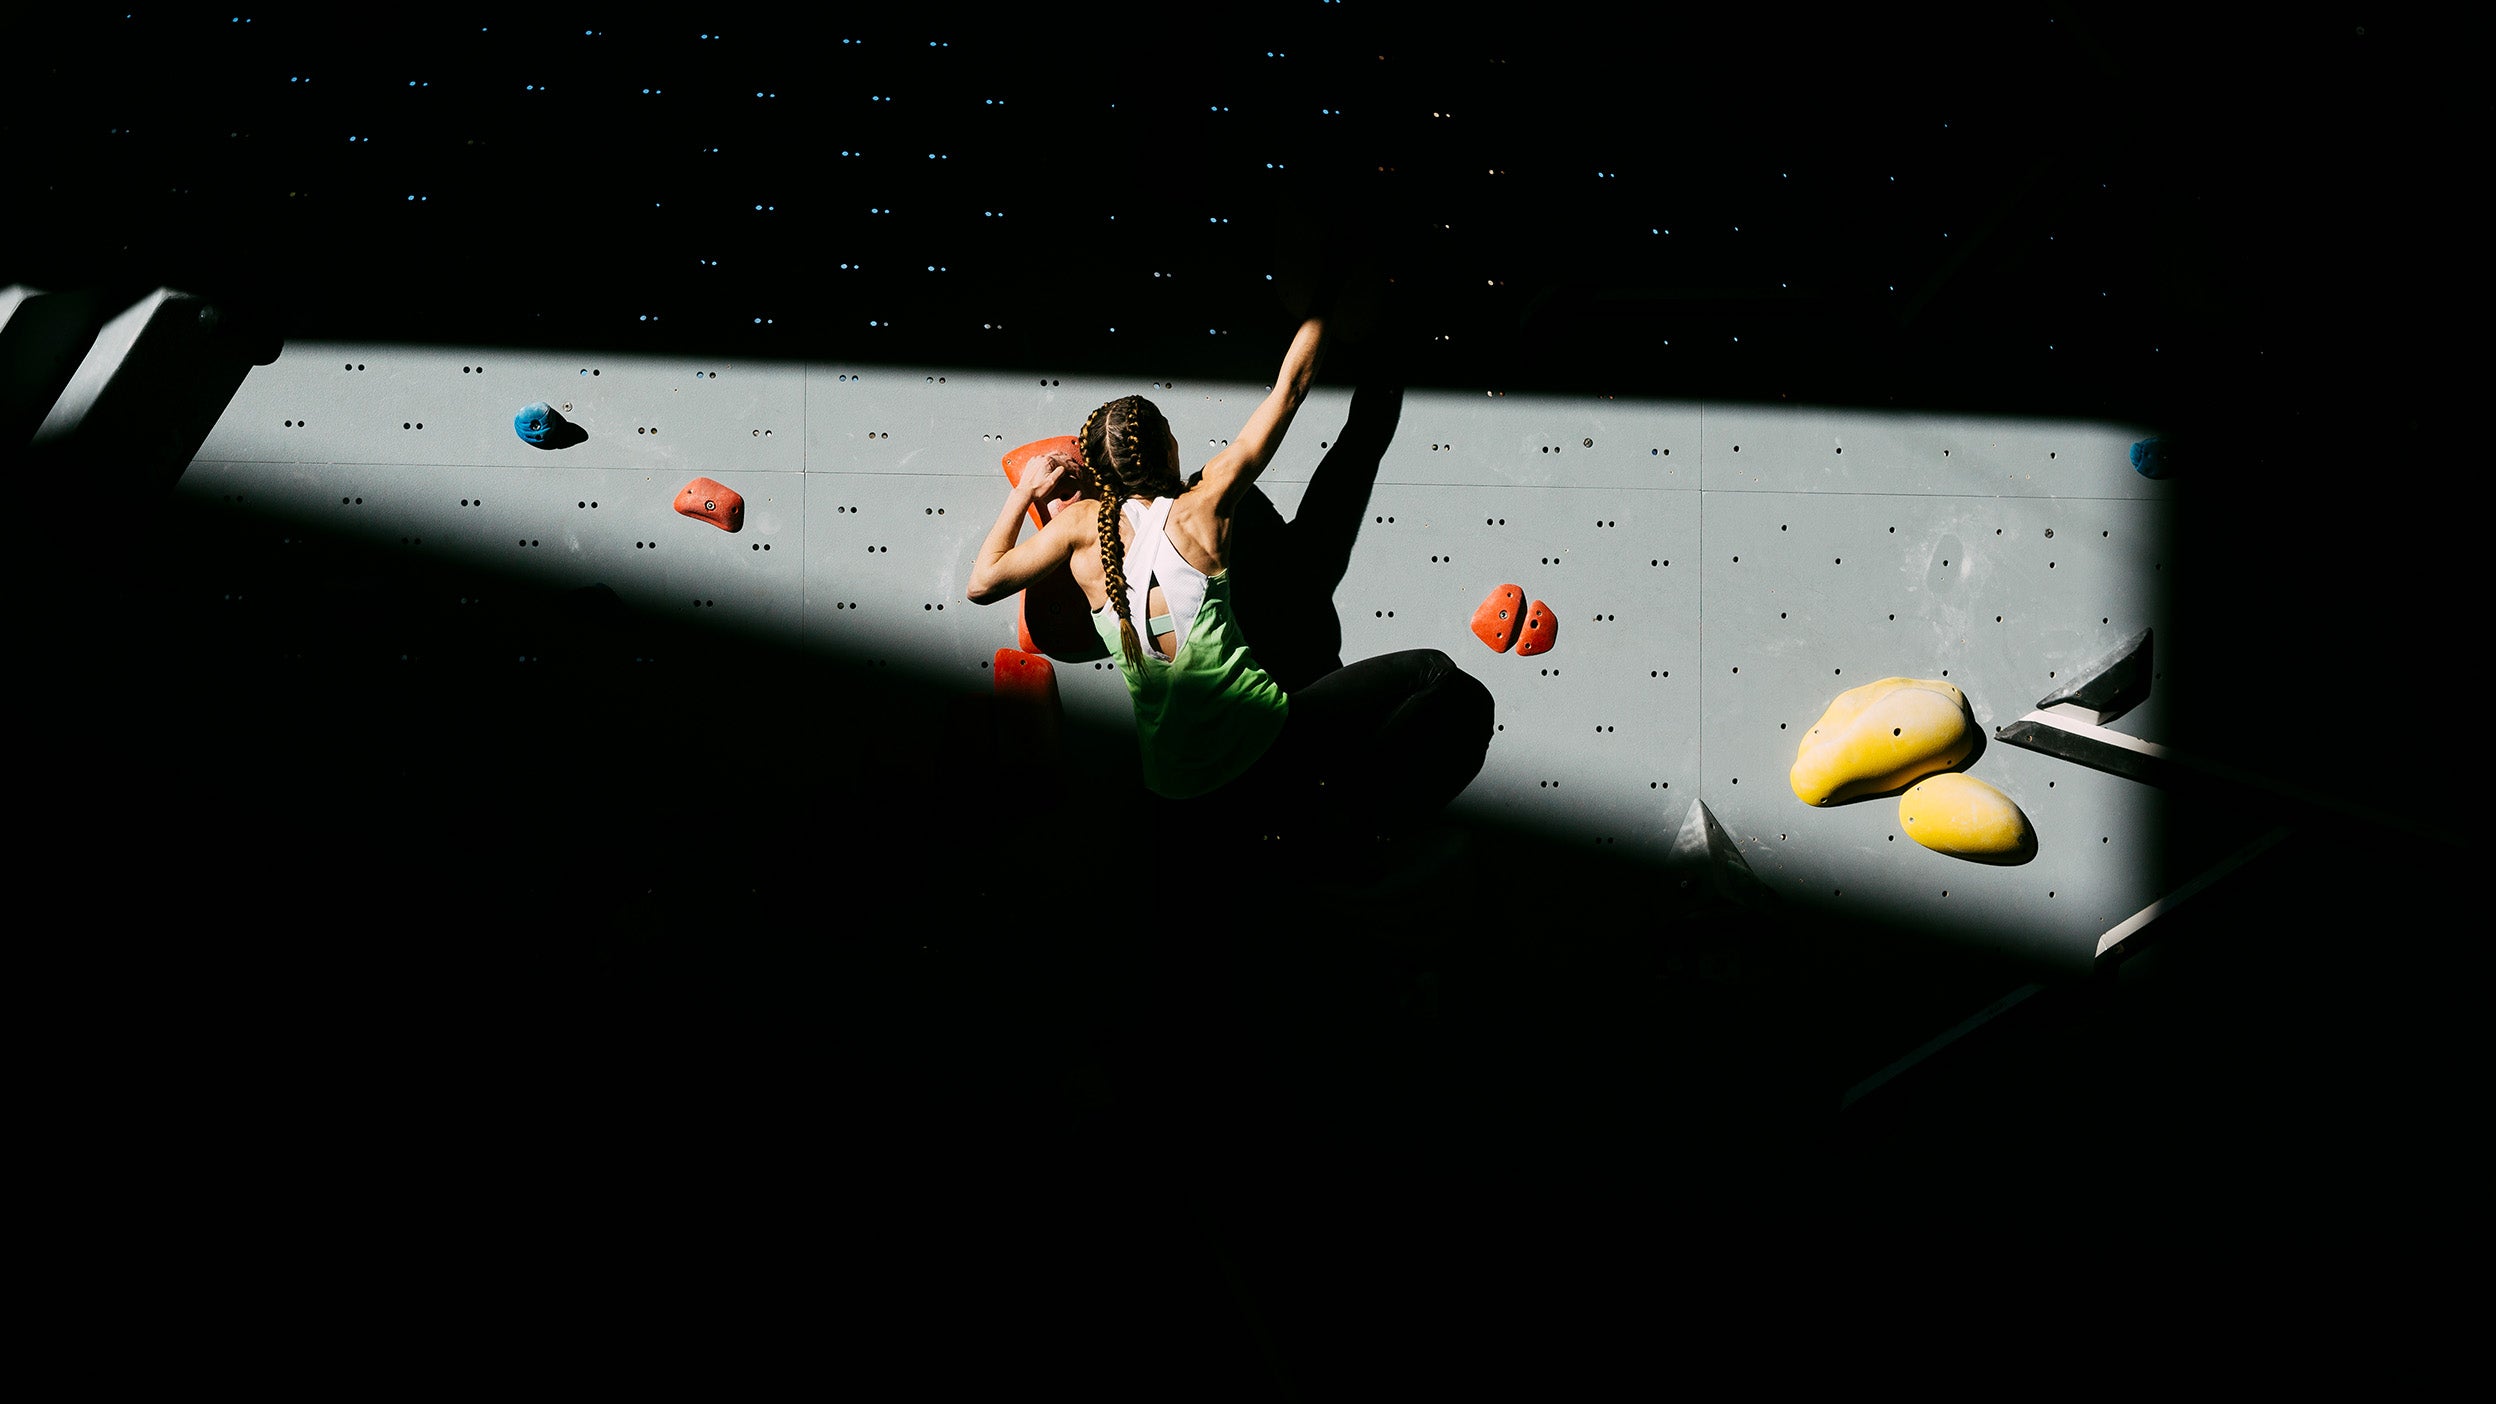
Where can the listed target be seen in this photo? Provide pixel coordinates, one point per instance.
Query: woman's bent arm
(1003, 568)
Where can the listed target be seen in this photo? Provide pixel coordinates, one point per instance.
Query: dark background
(377, 986)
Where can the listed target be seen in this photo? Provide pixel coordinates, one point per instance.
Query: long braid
(1121, 480)
(1114, 548)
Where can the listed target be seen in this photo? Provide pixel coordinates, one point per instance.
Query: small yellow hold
(1879, 736)
(1966, 818)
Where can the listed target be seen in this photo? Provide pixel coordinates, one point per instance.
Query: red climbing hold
(708, 500)
(1026, 677)
(1029, 711)
(1495, 623)
(1542, 630)
(1040, 448)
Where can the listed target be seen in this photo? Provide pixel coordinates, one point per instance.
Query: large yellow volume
(1882, 735)
(1966, 818)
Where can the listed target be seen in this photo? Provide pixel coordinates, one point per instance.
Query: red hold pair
(1505, 618)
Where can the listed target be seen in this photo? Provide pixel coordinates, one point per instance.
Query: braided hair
(1126, 447)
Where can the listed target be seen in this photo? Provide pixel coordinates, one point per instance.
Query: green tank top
(1208, 713)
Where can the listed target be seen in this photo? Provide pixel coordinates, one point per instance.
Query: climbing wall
(1717, 573)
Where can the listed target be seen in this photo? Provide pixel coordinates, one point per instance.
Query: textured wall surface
(1719, 574)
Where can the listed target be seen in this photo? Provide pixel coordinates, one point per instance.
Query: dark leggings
(1378, 743)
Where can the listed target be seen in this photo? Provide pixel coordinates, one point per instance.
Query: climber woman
(1370, 747)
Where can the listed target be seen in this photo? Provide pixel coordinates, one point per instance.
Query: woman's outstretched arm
(1238, 466)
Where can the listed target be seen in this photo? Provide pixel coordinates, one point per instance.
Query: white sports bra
(1151, 559)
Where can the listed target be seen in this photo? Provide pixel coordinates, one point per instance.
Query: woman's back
(1164, 587)
(1191, 555)
(1204, 710)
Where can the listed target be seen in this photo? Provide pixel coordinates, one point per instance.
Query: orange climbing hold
(1053, 617)
(1496, 622)
(709, 500)
(1043, 510)
(1542, 630)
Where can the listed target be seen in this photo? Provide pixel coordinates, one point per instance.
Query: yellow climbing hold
(1966, 818)
(1882, 735)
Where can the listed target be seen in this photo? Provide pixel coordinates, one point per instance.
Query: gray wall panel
(1835, 590)
(631, 539)
(1450, 437)
(565, 527)
(1762, 449)
(1320, 419)
(662, 415)
(887, 561)
(939, 421)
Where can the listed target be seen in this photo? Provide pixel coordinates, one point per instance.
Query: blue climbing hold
(2149, 457)
(535, 422)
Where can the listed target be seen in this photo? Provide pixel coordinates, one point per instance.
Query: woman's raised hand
(1045, 476)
